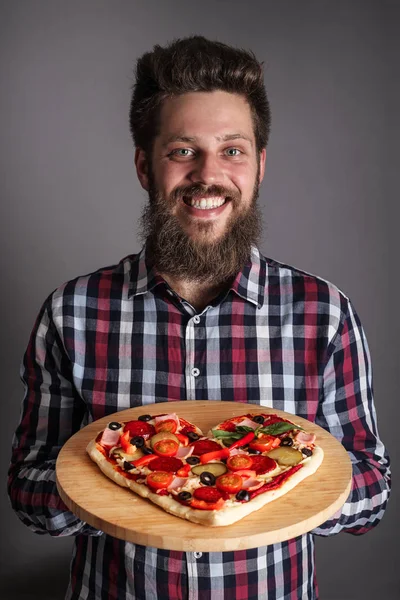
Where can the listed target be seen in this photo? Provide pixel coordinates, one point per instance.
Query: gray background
(70, 200)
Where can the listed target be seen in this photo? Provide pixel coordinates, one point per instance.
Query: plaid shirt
(120, 337)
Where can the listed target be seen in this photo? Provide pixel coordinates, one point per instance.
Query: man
(198, 314)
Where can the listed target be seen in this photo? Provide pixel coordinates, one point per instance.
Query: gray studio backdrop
(70, 200)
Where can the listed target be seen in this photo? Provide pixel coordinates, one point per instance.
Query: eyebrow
(224, 138)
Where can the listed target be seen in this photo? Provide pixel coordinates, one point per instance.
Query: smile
(205, 203)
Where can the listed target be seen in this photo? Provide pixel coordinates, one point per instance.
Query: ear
(142, 168)
(263, 157)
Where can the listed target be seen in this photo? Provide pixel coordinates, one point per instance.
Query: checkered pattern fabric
(120, 338)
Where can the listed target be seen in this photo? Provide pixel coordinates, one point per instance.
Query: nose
(206, 170)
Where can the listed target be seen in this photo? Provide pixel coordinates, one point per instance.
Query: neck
(198, 294)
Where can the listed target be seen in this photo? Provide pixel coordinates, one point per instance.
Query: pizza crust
(212, 518)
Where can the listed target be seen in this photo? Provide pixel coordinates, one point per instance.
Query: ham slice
(246, 422)
(170, 417)
(184, 452)
(237, 451)
(252, 484)
(110, 438)
(305, 438)
(177, 482)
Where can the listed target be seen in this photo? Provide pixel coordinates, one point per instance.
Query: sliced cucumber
(217, 469)
(163, 435)
(119, 453)
(286, 456)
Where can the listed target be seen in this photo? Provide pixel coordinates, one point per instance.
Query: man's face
(205, 170)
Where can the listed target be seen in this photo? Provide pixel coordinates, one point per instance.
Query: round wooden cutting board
(119, 512)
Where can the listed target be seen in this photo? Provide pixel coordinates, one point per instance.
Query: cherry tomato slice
(142, 428)
(263, 464)
(265, 443)
(159, 480)
(239, 462)
(170, 464)
(203, 446)
(167, 425)
(166, 447)
(201, 505)
(207, 494)
(229, 482)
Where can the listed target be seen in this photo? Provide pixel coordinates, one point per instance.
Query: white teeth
(207, 203)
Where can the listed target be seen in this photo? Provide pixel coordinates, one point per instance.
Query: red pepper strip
(184, 471)
(215, 455)
(202, 505)
(243, 441)
(125, 441)
(184, 440)
(275, 483)
(144, 460)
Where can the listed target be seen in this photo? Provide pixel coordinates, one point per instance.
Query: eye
(233, 152)
(181, 152)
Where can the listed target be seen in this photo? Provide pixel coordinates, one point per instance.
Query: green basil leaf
(278, 428)
(220, 433)
(244, 428)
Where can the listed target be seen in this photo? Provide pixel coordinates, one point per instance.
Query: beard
(173, 252)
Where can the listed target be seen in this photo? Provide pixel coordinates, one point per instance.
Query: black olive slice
(137, 441)
(307, 451)
(128, 466)
(287, 441)
(207, 478)
(258, 419)
(145, 418)
(243, 496)
(146, 450)
(184, 496)
(193, 436)
(192, 460)
(114, 426)
(253, 451)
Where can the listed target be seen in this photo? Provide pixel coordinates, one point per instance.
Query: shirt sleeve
(52, 411)
(347, 411)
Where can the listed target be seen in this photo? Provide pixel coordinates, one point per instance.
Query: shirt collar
(249, 283)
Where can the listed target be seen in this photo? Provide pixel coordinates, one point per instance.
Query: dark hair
(195, 64)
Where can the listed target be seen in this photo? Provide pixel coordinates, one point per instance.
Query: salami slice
(262, 464)
(167, 463)
(203, 446)
(142, 428)
(207, 494)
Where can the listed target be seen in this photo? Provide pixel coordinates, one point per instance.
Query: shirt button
(195, 372)
(197, 554)
(196, 319)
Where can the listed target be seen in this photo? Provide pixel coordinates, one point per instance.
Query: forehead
(203, 115)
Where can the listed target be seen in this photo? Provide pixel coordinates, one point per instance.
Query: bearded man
(198, 314)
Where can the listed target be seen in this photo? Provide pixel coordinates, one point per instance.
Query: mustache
(198, 190)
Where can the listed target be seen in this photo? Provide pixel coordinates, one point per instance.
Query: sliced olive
(193, 436)
(216, 469)
(184, 496)
(193, 460)
(145, 418)
(162, 435)
(287, 441)
(138, 441)
(307, 451)
(243, 496)
(258, 419)
(147, 450)
(114, 425)
(207, 478)
(128, 466)
(252, 451)
(286, 456)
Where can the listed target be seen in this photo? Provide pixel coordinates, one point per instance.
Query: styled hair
(195, 64)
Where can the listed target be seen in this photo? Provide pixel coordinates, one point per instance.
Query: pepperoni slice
(187, 429)
(167, 463)
(142, 428)
(203, 446)
(207, 494)
(262, 464)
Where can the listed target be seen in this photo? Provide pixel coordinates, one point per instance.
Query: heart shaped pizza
(215, 479)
